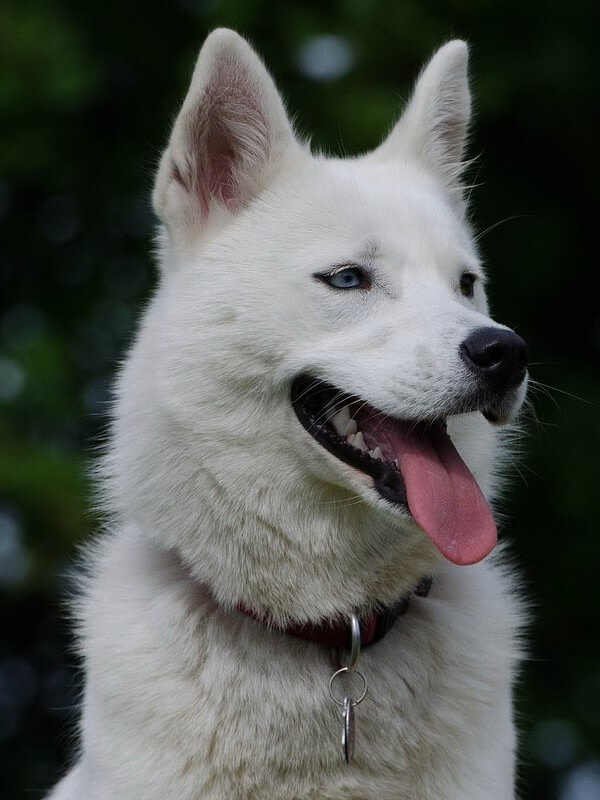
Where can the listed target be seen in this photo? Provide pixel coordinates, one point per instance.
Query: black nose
(498, 355)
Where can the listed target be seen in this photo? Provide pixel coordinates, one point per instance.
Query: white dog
(284, 467)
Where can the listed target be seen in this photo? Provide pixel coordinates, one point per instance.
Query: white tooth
(396, 463)
(359, 441)
(351, 427)
(344, 414)
(376, 453)
(340, 421)
(338, 424)
(351, 439)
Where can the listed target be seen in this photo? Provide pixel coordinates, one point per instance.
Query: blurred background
(88, 92)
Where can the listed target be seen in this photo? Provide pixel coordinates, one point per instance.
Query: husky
(296, 596)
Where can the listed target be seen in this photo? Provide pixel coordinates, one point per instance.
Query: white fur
(217, 495)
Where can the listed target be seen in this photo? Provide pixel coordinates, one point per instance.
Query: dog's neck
(336, 632)
(332, 632)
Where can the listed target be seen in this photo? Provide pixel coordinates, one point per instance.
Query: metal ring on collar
(345, 670)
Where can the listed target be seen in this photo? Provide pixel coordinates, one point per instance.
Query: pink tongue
(443, 496)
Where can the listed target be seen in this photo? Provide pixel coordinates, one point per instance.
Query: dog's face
(320, 349)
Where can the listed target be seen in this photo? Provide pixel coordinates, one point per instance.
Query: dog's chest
(220, 709)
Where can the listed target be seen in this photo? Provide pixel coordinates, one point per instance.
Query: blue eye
(346, 278)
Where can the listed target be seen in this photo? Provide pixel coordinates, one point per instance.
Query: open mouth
(412, 464)
(333, 417)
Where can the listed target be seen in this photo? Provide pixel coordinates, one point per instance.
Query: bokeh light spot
(325, 58)
(14, 559)
(18, 683)
(581, 783)
(12, 379)
(554, 743)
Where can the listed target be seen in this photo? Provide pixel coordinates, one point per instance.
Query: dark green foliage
(88, 92)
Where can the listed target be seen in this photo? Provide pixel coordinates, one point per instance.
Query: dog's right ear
(230, 135)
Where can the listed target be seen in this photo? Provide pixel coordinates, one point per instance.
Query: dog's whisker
(346, 502)
(497, 224)
(545, 386)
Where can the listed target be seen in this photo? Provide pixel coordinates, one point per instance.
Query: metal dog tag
(349, 731)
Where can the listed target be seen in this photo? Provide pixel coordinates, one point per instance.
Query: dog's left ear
(434, 126)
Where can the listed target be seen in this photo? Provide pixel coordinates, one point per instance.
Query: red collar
(336, 632)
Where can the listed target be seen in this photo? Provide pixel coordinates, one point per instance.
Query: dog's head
(318, 351)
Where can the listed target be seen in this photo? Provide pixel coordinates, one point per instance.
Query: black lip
(499, 410)
(310, 397)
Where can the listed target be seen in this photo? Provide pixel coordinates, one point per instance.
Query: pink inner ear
(227, 138)
(217, 172)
